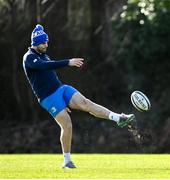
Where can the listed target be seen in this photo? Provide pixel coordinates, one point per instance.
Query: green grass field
(90, 166)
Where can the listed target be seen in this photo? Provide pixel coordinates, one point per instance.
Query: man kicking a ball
(56, 97)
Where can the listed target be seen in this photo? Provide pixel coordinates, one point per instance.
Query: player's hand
(78, 62)
(68, 110)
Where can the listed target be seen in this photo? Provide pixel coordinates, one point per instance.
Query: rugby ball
(140, 101)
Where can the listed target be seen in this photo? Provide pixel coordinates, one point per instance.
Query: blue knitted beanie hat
(38, 36)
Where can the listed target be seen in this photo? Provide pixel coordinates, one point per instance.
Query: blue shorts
(59, 100)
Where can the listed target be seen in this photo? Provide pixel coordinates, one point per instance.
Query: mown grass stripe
(90, 166)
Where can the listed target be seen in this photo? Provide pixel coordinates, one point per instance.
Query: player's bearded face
(42, 48)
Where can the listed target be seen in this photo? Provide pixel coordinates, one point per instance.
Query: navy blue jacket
(40, 72)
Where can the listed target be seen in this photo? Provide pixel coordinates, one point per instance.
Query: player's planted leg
(64, 121)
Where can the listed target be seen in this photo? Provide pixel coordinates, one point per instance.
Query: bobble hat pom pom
(39, 27)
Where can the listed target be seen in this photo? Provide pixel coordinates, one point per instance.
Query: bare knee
(66, 127)
(64, 122)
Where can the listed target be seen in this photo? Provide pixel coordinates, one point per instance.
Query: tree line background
(126, 46)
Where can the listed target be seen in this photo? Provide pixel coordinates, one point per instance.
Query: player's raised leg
(78, 101)
(64, 121)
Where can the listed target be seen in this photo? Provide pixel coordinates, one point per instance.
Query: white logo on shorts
(53, 109)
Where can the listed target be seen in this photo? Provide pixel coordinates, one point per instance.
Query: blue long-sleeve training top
(40, 72)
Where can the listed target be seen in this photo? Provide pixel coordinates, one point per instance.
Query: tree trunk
(38, 7)
(97, 25)
(13, 38)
